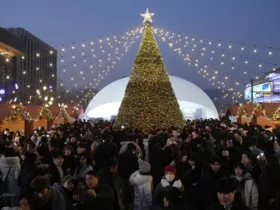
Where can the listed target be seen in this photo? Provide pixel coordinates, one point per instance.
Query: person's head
(31, 146)
(68, 182)
(68, 150)
(192, 160)
(23, 204)
(113, 165)
(17, 134)
(195, 133)
(58, 158)
(82, 147)
(40, 185)
(171, 137)
(91, 179)
(246, 158)
(60, 131)
(239, 170)
(215, 164)
(131, 148)
(162, 142)
(229, 143)
(85, 158)
(144, 167)
(170, 173)
(52, 146)
(9, 152)
(32, 158)
(225, 191)
(73, 139)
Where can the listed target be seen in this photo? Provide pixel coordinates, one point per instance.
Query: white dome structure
(194, 102)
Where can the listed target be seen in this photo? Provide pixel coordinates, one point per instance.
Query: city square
(177, 110)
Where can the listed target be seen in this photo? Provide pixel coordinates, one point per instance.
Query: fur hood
(177, 184)
(8, 162)
(137, 179)
(246, 176)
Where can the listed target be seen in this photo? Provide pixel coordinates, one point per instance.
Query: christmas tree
(149, 99)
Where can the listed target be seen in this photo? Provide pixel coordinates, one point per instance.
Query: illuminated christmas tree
(149, 99)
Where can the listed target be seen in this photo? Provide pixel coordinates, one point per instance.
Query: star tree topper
(148, 16)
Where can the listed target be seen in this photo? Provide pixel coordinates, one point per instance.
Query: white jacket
(142, 190)
(250, 194)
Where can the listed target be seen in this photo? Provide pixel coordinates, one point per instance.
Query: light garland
(212, 49)
(94, 61)
(65, 114)
(204, 70)
(259, 107)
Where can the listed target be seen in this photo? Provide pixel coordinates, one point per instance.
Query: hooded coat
(248, 190)
(142, 190)
(173, 192)
(52, 200)
(12, 163)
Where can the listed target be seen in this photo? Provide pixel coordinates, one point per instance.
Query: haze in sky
(67, 21)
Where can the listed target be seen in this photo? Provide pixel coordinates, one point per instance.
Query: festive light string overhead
(91, 57)
(204, 72)
(109, 52)
(217, 51)
(228, 57)
(179, 41)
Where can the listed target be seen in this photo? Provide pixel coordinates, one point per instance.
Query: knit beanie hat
(170, 168)
(144, 166)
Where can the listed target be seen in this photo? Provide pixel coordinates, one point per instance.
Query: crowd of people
(208, 165)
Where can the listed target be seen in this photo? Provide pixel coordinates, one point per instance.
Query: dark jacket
(53, 200)
(104, 152)
(26, 175)
(236, 205)
(104, 199)
(54, 174)
(69, 164)
(128, 163)
(207, 185)
(105, 177)
(172, 192)
(67, 195)
(158, 159)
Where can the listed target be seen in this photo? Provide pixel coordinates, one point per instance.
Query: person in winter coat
(142, 182)
(246, 187)
(47, 197)
(56, 172)
(28, 174)
(104, 152)
(65, 189)
(10, 169)
(84, 165)
(228, 198)
(99, 196)
(124, 148)
(253, 169)
(159, 158)
(109, 175)
(69, 160)
(169, 193)
(128, 163)
(209, 176)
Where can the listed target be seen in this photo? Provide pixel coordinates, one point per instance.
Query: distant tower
(149, 99)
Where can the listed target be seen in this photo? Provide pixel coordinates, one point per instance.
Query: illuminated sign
(258, 90)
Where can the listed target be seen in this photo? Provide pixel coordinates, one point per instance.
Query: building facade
(11, 48)
(36, 71)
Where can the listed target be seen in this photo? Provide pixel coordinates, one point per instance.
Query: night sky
(60, 22)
